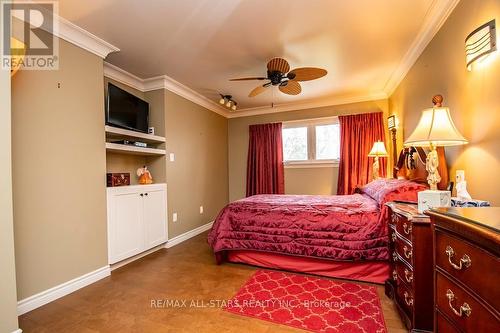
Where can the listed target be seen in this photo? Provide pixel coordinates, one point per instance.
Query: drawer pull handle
(406, 229)
(407, 252)
(394, 256)
(394, 275)
(393, 236)
(408, 276)
(464, 309)
(408, 299)
(464, 262)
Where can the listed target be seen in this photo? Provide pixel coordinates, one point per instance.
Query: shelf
(116, 133)
(125, 149)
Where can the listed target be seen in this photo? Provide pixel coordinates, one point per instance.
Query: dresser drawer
(405, 273)
(406, 298)
(404, 251)
(467, 313)
(472, 266)
(443, 325)
(404, 228)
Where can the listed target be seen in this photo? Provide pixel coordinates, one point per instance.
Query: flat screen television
(126, 110)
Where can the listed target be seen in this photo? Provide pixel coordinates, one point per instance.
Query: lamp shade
(436, 127)
(378, 149)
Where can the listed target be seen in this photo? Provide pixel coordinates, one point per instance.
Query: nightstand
(411, 282)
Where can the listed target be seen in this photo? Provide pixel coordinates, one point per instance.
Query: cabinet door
(126, 230)
(155, 218)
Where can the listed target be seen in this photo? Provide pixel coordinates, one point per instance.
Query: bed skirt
(367, 271)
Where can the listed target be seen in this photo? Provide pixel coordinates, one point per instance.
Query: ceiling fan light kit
(279, 74)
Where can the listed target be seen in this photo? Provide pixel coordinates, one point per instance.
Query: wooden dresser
(466, 269)
(410, 284)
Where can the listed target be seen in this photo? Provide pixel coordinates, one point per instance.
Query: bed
(343, 236)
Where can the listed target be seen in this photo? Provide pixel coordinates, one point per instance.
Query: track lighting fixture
(228, 101)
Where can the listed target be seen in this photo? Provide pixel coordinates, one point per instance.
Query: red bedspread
(343, 227)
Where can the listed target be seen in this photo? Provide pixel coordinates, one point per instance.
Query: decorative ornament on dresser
(144, 176)
(435, 128)
(462, 193)
(378, 150)
(463, 198)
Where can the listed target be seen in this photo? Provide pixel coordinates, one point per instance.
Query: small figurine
(462, 193)
(144, 176)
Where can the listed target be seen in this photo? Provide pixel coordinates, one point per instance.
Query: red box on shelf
(118, 179)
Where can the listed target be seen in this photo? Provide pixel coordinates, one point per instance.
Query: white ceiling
(203, 43)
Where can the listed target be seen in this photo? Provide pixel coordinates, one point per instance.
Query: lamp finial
(437, 100)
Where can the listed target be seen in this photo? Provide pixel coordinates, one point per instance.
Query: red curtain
(357, 135)
(265, 172)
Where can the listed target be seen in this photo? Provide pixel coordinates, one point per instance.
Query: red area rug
(309, 303)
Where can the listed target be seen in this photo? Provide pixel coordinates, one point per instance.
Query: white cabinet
(137, 219)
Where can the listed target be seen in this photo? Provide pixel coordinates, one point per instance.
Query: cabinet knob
(145, 194)
(141, 194)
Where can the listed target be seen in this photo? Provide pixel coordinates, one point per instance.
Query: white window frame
(311, 161)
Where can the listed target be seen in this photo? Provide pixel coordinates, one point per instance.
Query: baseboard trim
(18, 331)
(187, 235)
(49, 295)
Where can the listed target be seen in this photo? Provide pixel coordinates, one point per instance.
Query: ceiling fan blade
(278, 65)
(248, 78)
(257, 91)
(306, 73)
(291, 88)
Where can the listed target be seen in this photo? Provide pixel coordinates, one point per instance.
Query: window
(295, 144)
(311, 142)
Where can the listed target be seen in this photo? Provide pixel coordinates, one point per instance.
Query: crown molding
(84, 39)
(162, 82)
(166, 82)
(122, 76)
(434, 20)
(72, 33)
(338, 100)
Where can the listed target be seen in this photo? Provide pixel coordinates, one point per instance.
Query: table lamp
(378, 150)
(435, 128)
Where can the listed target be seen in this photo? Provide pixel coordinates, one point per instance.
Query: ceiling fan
(279, 74)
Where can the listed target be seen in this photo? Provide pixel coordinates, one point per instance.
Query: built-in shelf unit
(129, 149)
(137, 214)
(117, 134)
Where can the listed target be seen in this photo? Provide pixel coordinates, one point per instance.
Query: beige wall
(59, 171)
(297, 181)
(8, 300)
(199, 175)
(473, 97)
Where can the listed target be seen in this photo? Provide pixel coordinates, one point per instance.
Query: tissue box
(456, 202)
(432, 198)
